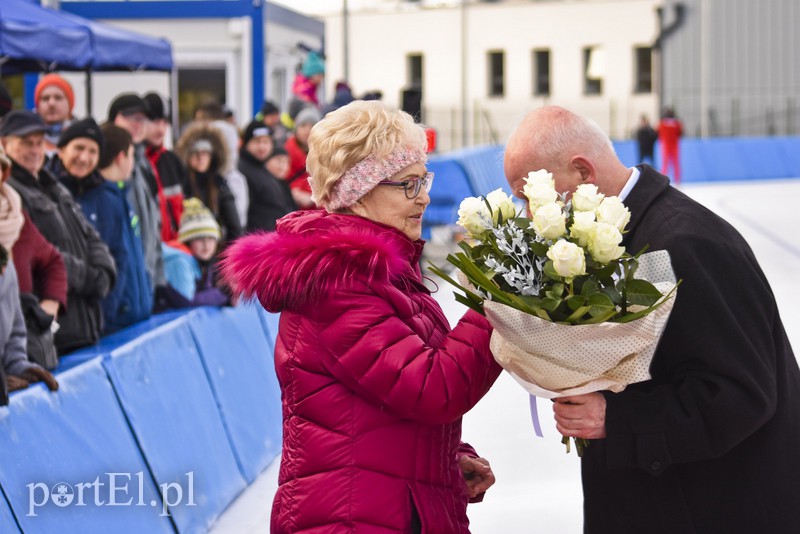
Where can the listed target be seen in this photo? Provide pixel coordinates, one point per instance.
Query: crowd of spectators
(102, 225)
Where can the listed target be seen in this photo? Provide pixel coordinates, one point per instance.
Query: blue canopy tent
(35, 38)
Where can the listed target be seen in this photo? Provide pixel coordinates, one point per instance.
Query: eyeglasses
(413, 186)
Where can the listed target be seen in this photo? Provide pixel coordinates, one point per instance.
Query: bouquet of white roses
(572, 310)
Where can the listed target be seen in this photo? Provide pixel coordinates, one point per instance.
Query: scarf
(11, 218)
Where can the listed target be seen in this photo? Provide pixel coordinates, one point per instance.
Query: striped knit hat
(197, 221)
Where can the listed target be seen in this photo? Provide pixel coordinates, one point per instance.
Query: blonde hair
(350, 134)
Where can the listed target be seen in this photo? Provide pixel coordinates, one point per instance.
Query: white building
(484, 65)
(236, 51)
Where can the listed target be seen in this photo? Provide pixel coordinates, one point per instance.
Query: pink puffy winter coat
(374, 382)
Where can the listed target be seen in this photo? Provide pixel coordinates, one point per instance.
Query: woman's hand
(477, 474)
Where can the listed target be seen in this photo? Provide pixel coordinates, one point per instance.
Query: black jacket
(90, 268)
(270, 197)
(709, 444)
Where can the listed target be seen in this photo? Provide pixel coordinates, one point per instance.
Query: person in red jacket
(670, 130)
(297, 147)
(374, 382)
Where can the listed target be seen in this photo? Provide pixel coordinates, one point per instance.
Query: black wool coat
(711, 444)
(91, 271)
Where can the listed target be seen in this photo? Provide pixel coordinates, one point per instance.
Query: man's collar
(630, 183)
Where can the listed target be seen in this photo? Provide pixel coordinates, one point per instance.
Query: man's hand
(477, 474)
(15, 383)
(50, 307)
(581, 416)
(40, 374)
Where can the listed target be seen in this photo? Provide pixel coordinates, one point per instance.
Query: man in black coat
(710, 443)
(90, 267)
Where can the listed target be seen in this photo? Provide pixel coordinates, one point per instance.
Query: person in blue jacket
(103, 197)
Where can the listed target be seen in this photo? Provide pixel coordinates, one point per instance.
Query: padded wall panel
(164, 390)
(76, 436)
(243, 381)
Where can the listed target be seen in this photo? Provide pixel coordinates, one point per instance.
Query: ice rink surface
(538, 485)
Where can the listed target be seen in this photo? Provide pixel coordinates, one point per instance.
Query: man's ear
(585, 167)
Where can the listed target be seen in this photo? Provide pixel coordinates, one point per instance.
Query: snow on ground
(538, 485)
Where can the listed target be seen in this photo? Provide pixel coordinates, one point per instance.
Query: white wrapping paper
(553, 360)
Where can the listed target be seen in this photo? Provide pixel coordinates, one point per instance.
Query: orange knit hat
(54, 79)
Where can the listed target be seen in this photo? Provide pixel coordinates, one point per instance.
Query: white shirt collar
(629, 184)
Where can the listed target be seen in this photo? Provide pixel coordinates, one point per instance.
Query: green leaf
(549, 270)
(469, 303)
(589, 288)
(539, 249)
(613, 294)
(556, 291)
(551, 304)
(577, 314)
(600, 304)
(642, 292)
(576, 301)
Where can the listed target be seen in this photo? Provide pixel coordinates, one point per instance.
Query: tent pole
(173, 101)
(88, 93)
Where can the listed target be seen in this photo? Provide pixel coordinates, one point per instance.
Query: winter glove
(37, 374)
(15, 383)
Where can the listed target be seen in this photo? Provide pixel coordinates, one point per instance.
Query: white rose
(586, 198)
(549, 221)
(539, 189)
(568, 259)
(612, 211)
(604, 243)
(502, 204)
(473, 216)
(582, 226)
(540, 177)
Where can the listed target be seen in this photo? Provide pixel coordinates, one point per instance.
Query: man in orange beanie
(54, 102)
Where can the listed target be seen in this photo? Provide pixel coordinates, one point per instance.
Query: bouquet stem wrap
(553, 360)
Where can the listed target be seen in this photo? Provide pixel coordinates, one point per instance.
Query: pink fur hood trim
(314, 252)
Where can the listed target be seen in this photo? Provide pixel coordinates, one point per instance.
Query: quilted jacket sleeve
(373, 350)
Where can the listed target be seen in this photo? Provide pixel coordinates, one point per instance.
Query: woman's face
(200, 161)
(388, 204)
(203, 248)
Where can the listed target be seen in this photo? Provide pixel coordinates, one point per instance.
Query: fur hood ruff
(313, 252)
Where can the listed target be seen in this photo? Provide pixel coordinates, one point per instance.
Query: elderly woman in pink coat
(374, 382)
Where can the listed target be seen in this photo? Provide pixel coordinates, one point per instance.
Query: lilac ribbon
(537, 428)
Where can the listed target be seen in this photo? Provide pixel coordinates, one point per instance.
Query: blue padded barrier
(789, 150)
(77, 435)
(117, 339)
(7, 522)
(627, 152)
(163, 388)
(243, 382)
(484, 168)
(450, 187)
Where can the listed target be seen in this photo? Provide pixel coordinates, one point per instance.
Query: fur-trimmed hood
(313, 252)
(203, 130)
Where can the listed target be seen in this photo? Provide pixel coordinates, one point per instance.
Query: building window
(414, 63)
(541, 72)
(497, 86)
(643, 60)
(593, 70)
(198, 85)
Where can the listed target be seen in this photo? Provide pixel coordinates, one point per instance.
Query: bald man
(709, 444)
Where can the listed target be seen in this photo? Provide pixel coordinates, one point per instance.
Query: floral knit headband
(362, 177)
